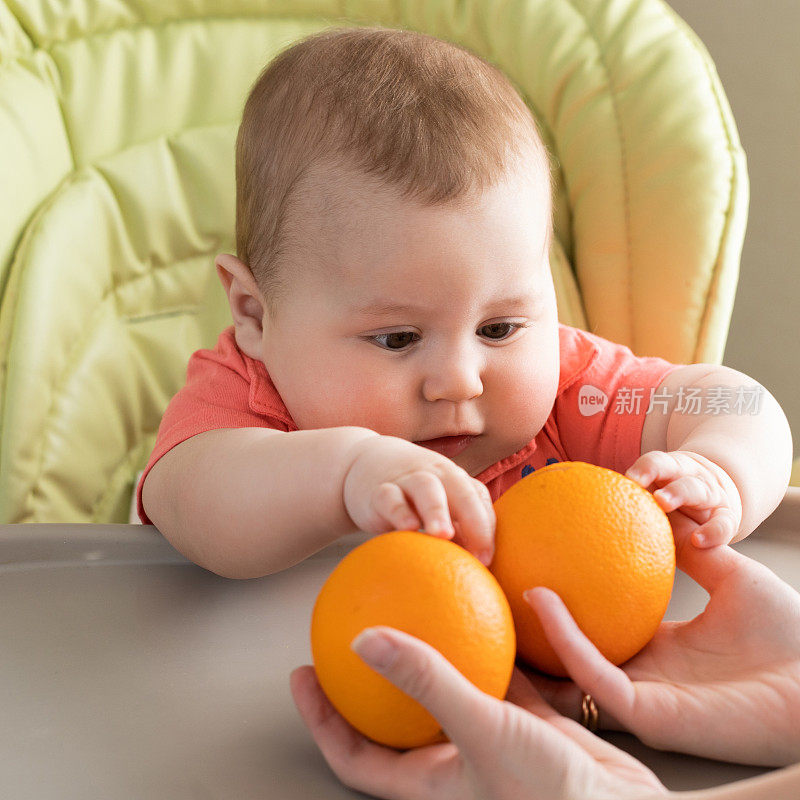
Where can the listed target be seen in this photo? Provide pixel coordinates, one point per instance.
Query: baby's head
(377, 168)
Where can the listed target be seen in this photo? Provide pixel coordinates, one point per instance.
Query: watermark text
(710, 400)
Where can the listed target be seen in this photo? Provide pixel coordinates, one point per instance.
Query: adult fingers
(428, 677)
(359, 762)
(485, 729)
(524, 693)
(586, 665)
(341, 745)
(709, 567)
(563, 695)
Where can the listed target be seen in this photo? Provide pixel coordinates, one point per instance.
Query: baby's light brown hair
(429, 118)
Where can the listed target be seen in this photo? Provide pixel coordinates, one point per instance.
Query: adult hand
(393, 484)
(498, 750)
(695, 485)
(724, 685)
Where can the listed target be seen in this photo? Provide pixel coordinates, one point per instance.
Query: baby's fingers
(655, 466)
(720, 529)
(472, 509)
(392, 504)
(690, 490)
(452, 498)
(427, 493)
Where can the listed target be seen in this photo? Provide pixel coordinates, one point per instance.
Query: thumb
(710, 567)
(424, 674)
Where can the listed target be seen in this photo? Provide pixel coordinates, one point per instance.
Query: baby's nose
(457, 382)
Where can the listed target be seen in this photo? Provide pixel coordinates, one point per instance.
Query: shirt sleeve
(601, 415)
(216, 395)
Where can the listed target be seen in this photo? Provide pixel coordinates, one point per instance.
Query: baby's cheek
(530, 378)
(374, 404)
(527, 406)
(378, 412)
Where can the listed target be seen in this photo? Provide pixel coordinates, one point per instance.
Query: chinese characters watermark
(712, 400)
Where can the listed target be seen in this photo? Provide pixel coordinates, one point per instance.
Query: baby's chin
(476, 462)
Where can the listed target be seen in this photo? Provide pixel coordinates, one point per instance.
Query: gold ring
(588, 713)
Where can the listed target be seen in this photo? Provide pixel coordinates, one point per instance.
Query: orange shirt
(604, 392)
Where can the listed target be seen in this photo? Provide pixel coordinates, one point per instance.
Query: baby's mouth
(449, 445)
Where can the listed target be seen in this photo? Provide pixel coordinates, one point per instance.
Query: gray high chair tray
(128, 672)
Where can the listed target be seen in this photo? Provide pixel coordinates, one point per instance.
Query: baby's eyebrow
(381, 307)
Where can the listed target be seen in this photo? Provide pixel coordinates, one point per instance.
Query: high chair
(117, 131)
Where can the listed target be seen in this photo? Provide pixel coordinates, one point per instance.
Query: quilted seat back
(117, 129)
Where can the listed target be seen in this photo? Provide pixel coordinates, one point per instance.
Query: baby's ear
(244, 298)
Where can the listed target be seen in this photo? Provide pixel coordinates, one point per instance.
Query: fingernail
(700, 539)
(374, 648)
(528, 595)
(485, 557)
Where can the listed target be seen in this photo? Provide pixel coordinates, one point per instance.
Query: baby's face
(423, 322)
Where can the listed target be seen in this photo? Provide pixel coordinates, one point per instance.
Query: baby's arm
(751, 450)
(247, 502)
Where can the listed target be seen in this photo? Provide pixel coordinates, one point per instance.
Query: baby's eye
(388, 336)
(497, 327)
(498, 332)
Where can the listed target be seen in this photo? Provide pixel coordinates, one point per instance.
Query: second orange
(600, 541)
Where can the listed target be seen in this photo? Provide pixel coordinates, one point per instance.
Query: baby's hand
(394, 484)
(701, 489)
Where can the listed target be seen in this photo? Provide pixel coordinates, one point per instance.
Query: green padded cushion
(117, 128)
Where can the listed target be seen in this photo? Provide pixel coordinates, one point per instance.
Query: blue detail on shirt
(527, 469)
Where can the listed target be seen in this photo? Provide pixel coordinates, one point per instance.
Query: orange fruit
(430, 588)
(598, 539)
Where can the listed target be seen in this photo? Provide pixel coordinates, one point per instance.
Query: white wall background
(755, 45)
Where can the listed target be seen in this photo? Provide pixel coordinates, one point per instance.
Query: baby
(395, 359)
